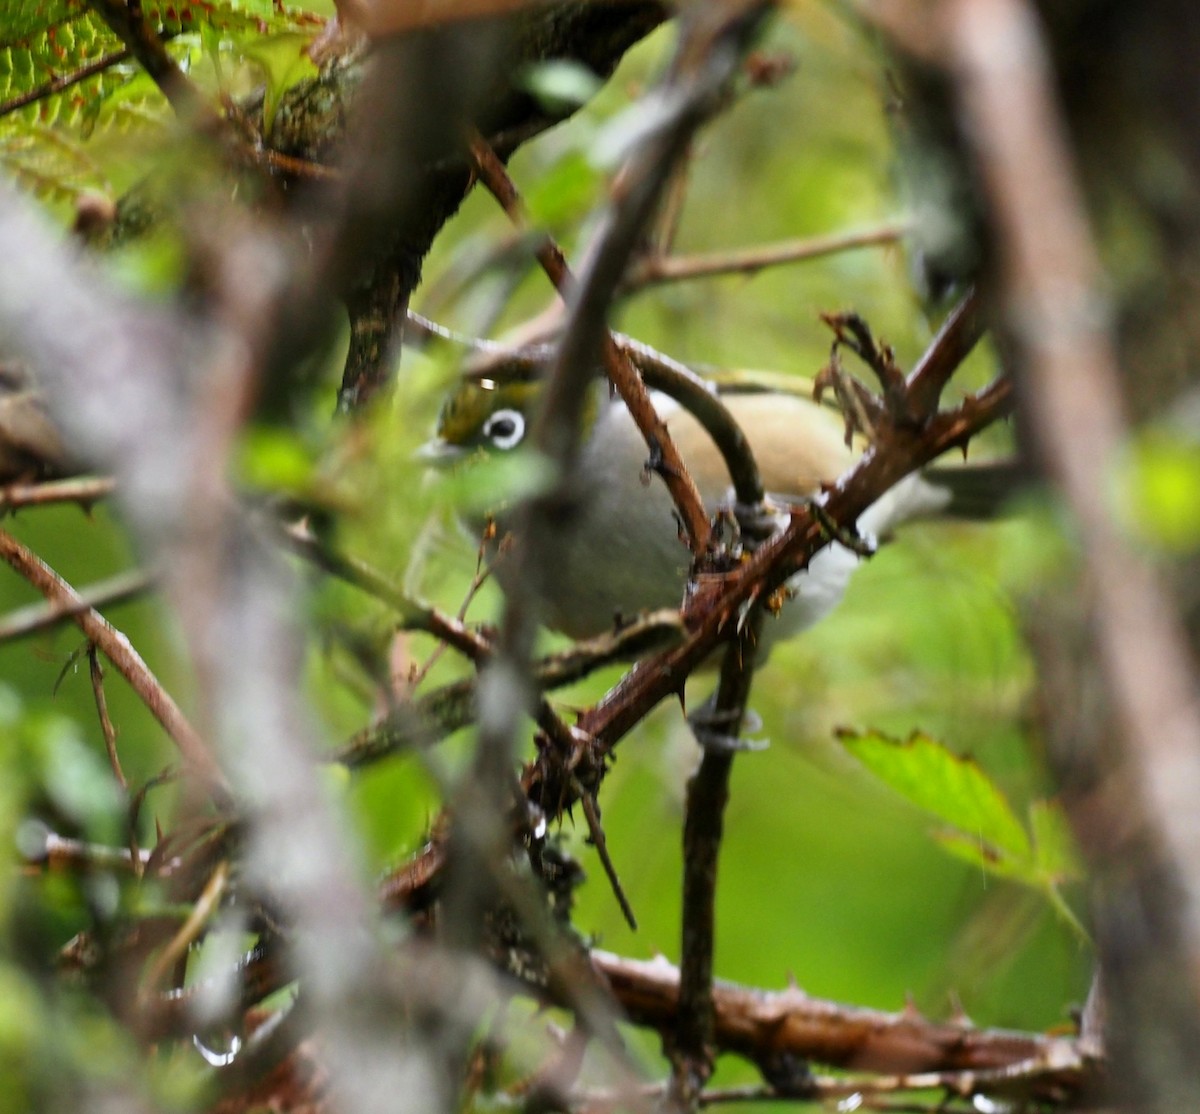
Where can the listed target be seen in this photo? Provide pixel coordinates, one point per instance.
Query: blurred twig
(84, 490)
(1147, 840)
(656, 270)
(39, 617)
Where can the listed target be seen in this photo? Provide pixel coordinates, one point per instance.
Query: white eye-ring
(505, 428)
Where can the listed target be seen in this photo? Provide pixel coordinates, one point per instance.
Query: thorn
(957, 1014)
(596, 833)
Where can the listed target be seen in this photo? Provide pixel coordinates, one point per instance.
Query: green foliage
(982, 827)
(1159, 489)
(64, 74)
(815, 879)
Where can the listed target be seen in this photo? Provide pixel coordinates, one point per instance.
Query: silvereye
(620, 551)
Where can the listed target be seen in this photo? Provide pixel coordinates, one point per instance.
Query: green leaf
(984, 830)
(560, 84)
(488, 483)
(952, 788)
(1053, 846)
(75, 777)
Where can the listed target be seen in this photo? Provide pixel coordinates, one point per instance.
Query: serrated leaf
(58, 57)
(987, 857)
(949, 787)
(984, 830)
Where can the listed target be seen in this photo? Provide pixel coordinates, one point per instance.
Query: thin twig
(84, 490)
(62, 82)
(596, 834)
(130, 25)
(47, 850)
(413, 615)
(483, 571)
(201, 912)
(118, 649)
(656, 270)
(560, 736)
(106, 725)
(39, 617)
(665, 457)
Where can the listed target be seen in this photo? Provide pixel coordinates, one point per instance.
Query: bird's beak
(439, 453)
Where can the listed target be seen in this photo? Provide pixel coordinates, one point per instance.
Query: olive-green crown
(473, 401)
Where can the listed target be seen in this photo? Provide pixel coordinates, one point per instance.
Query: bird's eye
(505, 428)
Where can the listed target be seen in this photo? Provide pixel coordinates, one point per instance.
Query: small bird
(620, 551)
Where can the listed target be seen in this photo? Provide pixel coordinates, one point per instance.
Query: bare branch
(692, 1042)
(39, 617)
(117, 648)
(84, 490)
(655, 270)
(755, 1023)
(661, 446)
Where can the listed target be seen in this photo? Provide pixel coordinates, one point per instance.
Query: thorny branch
(908, 433)
(762, 1024)
(664, 456)
(706, 60)
(124, 657)
(904, 445)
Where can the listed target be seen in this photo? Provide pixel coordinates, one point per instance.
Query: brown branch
(765, 1024)
(757, 1023)
(413, 616)
(42, 616)
(905, 449)
(84, 490)
(118, 649)
(129, 24)
(692, 1041)
(656, 270)
(62, 82)
(1139, 823)
(667, 461)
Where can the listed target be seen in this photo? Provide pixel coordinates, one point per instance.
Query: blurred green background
(826, 876)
